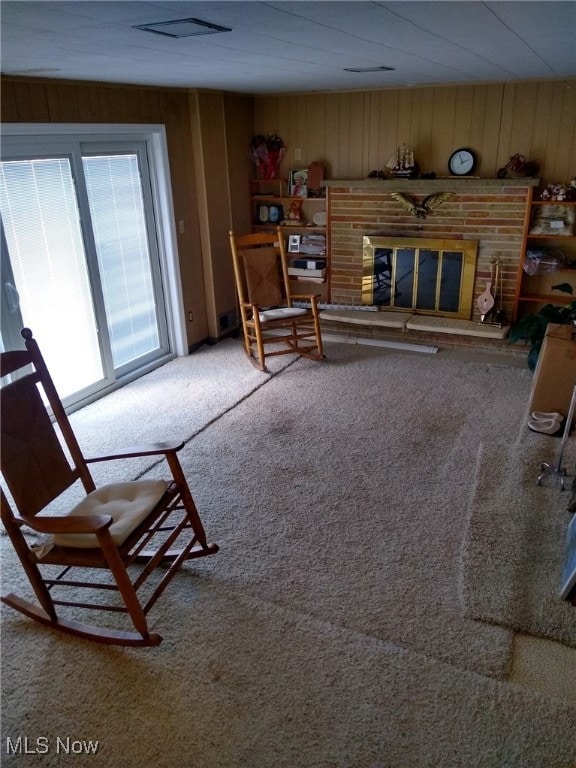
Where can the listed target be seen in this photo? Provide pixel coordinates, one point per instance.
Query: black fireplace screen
(420, 275)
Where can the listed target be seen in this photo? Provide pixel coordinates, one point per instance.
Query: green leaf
(531, 327)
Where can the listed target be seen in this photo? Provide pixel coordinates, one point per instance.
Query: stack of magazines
(313, 244)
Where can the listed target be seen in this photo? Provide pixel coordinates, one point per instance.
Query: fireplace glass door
(420, 275)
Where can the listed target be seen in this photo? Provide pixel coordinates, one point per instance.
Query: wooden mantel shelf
(429, 185)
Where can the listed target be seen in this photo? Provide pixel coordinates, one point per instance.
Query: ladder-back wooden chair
(115, 539)
(272, 325)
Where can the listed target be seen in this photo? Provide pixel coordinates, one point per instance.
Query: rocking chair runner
(269, 317)
(114, 528)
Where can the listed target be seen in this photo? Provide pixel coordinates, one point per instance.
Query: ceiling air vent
(183, 28)
(368, 69)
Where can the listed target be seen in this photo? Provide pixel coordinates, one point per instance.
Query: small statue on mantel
(402, 163)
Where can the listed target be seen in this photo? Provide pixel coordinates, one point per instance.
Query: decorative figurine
(294, 215)
(402, 164)
(559, 193)
(519, 166)
(421, 210)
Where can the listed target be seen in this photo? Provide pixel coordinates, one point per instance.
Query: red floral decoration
(267, 153)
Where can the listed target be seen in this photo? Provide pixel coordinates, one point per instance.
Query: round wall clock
(462, 162)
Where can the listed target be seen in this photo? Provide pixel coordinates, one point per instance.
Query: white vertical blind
(82, 244)
(42, 227)
(119, 225)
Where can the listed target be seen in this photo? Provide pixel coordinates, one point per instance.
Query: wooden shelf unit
(270, 192)
(533, 291)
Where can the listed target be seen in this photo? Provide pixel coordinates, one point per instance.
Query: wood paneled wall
(197, 130)
(352, 133)
(220, 123)
(358, 132)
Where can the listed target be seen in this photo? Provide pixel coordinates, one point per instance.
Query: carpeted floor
(511, 558)
(382, 542)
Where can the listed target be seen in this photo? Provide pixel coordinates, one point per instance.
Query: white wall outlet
(297, 153)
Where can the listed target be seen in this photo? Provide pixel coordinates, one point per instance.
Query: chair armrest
(305, 295)
(70, 524)
(133, 451)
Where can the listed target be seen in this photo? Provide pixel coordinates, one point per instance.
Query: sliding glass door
(127, 256)
(80, 261)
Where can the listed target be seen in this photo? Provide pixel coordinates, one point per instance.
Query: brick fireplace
(491, 211)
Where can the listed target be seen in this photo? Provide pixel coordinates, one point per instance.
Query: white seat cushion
(127, 503)
(281, 313)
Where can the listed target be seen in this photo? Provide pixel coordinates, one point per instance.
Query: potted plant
(531, 328)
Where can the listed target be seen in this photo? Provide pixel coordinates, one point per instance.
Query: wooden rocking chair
(269, 317)
(125, 529)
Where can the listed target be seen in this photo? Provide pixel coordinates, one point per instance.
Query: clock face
(462, 162)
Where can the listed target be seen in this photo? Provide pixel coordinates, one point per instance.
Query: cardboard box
(555, 374)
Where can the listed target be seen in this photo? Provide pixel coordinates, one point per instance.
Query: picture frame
(294, 243)
(298, 182)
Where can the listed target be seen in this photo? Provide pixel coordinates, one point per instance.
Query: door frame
(155, 137)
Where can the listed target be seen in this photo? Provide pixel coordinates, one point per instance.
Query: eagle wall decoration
(421, 210)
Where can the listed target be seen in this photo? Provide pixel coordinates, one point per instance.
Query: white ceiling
(290, 46)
